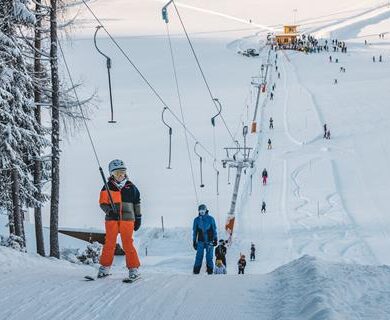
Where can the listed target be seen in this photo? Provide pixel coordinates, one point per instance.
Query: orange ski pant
(126, 229)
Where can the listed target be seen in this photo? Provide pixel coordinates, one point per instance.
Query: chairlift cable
(165, 17)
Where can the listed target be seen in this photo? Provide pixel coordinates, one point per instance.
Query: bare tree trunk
(55, 134)
(38, 99)
(16, 203)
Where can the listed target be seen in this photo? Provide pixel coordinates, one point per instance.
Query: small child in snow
(219, 267)
(253, 252)
(241, 264)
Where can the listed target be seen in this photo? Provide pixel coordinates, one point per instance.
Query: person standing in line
(204, 236)
(220, 252)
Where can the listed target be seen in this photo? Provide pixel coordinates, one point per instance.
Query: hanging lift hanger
(200, 164)
(108, 63)
(219, 112)
(170, 137)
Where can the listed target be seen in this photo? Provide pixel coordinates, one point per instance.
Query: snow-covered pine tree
(22, 137)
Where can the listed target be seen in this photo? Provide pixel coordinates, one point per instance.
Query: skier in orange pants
(123, 217)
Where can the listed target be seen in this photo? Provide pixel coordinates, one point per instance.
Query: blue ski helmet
(116, 165)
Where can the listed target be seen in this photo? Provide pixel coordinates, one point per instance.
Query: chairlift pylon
(108, 63)
(200, 164)
(170, 137)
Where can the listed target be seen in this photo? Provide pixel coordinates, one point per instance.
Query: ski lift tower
(239, 158)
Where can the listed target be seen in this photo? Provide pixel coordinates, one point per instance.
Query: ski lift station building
(289, 35)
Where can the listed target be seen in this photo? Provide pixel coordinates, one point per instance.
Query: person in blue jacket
(204, 236)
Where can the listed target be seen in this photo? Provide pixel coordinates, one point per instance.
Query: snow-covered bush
(13, 242)
(89, 256)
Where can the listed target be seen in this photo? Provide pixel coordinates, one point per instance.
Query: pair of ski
(125, 280)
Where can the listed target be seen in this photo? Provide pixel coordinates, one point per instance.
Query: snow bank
(306, 288)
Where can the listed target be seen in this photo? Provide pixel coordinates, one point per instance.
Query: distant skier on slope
(271, 123)
(241, 264)
(220, 252)
(263, 207)
(269, 144)
(264, 175)
(328, 135)
(204, 236)
(253, 252)
(124, 218)
(272, 96)
(325, 130)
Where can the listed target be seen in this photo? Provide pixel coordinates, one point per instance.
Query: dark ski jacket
(241, 263)
(204, 229)
(220, 252)
(127, 202)
(253, 249)
(264, 173)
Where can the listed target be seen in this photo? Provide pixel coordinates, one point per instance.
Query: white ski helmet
(116, 165)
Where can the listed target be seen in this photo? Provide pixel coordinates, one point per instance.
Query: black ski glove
(215, 242)
(137, 223)
(195, 245)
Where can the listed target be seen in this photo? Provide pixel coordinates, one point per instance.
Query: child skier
(204, 236)
(241, 264)
(264, 175)
(219, 267)
(220, 252)
(253, 252)
(269, 144)
(263, 209)
(122, 216)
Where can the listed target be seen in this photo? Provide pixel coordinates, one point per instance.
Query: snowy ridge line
(326, 30)
(219, 14)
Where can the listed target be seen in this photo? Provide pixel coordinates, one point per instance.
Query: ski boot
(103, 272)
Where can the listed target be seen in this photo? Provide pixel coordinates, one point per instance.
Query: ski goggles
(119, 173)
(202, 212)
